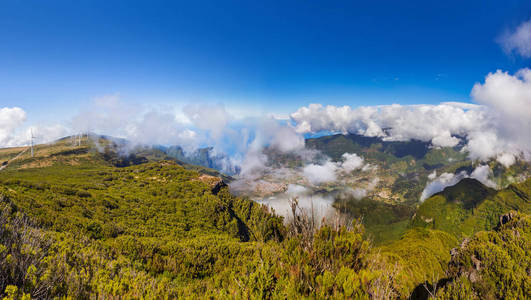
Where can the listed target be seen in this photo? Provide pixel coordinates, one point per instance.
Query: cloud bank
(497, 127)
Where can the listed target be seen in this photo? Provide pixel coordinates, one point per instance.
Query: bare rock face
(505, 218)
(215, 183)
(471, 272)
(265, 188)
(258, 188)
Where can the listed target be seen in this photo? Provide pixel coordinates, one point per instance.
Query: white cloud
(14, 133)
(357, 193)
(211, 118)
(254, 163)
(518, 41)
(309, 203)
(436, 123)
(506, 159)
(286, 139)
(482, 174)
(11, 119)
(508, 95)
(500, 125)
(351, 162)
(239, 143)
(437, 185)
(107, 115)
(328, 171)
(508, 99)
(318, 174)
(110, 115)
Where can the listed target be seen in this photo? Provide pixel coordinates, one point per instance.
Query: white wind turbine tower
(31, 141)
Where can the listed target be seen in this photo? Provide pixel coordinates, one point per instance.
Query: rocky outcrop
(506, 218)
(215, 183)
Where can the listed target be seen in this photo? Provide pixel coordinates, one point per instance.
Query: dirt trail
(6, 163)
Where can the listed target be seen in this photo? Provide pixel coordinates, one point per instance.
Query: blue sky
(260, 56)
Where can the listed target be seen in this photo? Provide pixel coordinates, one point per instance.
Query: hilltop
(92, 149)
(469, 206)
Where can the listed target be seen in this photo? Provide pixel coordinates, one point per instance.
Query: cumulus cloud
(506, 159)
(10, 120)
(46, 133)
(285, 139)
(357, 193)
(254, 163)
(258, 134)
(107, 114)
(318, 174)
(327, 171)
(351, 162)
(438, 124)
(497, 128)
(508, 100)
(518, 41)
(236, 144)
(140, 125)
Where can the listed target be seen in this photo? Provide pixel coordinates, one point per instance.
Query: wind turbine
(31, 141)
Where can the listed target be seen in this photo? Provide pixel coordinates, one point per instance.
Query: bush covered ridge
(493, 264)
(81, 227)
(44, 264)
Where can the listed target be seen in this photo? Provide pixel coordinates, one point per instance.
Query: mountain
(469, 206)
(387, 152)
(202, 157)
(457, 213)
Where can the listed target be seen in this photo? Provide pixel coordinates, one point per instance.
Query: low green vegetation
(492, 264)
(400, 157)
(86, 224)
(421, 254)
(383, 222)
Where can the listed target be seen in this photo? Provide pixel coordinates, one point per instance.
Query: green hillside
(157, 220)
(469, 206)
(388, 152)
(89, 222)
(492, 264)
(79, 224)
